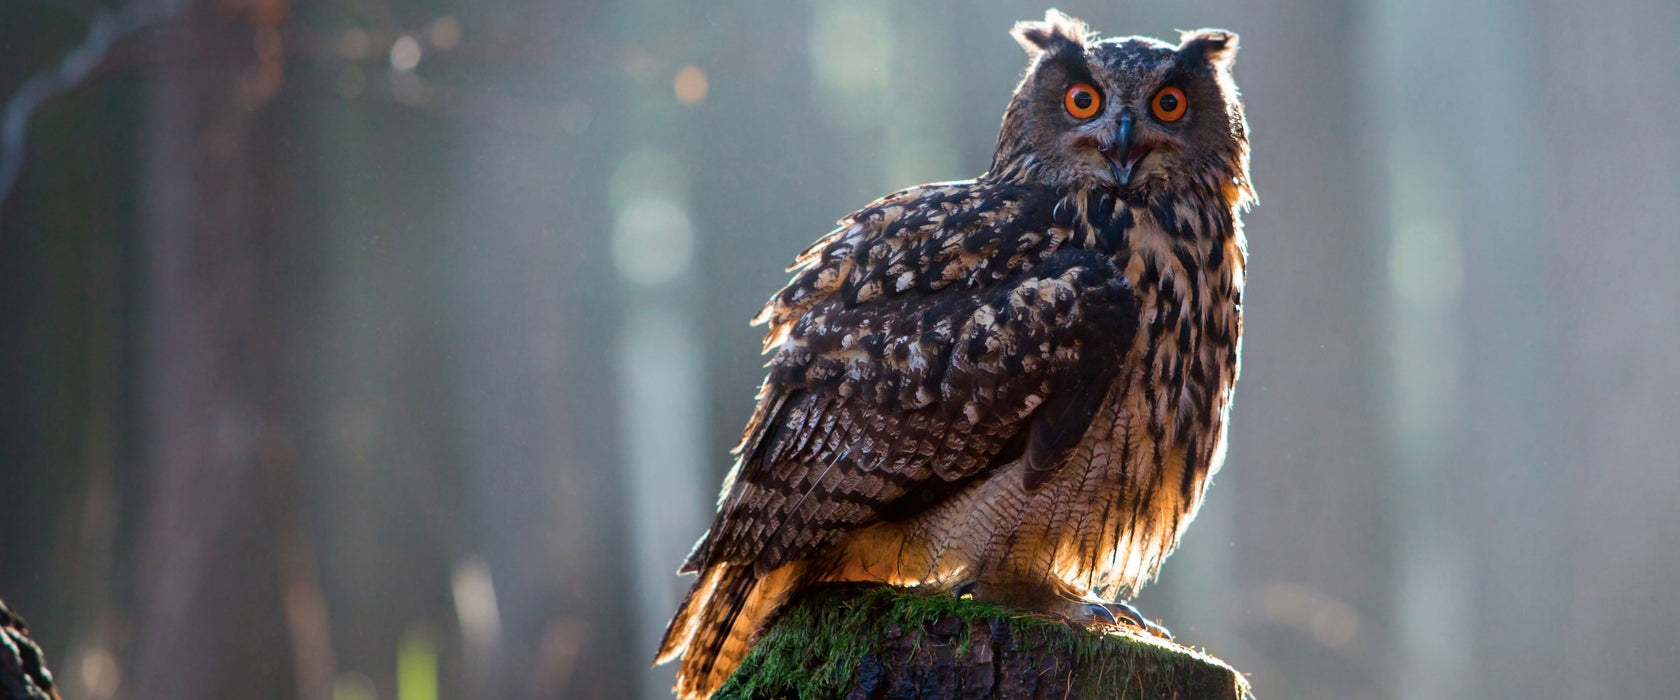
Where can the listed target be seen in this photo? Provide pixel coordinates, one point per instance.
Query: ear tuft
(1056, 33)
(1216, 46)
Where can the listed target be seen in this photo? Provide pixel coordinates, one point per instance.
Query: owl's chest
(1177, 379)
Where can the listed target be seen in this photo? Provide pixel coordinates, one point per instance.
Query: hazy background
(391, 349)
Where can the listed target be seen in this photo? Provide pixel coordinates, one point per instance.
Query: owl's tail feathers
(721, 617)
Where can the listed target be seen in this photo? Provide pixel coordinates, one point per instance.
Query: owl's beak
(1123, 153)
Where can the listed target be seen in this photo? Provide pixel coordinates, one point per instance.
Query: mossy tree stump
(863, 642)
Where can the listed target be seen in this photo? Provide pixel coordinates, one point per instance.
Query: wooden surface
(857, 642)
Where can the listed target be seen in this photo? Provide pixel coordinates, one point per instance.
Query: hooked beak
(1124, 151)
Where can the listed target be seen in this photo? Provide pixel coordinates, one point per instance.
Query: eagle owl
(1015, 386)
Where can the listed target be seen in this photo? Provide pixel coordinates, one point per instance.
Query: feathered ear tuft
(1216, 46)
(1056, 33)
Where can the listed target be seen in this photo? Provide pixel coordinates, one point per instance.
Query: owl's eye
(1082, 101)
(1168, 104)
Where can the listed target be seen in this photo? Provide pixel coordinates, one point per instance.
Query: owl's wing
(917, 349)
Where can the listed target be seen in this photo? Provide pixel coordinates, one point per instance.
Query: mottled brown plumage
(1016, 385)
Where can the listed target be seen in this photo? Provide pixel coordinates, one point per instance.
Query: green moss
(816, 648)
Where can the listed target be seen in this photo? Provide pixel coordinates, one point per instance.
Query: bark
(23, 669)
(870, 642)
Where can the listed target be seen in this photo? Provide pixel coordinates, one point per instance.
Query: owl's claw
(1100, 613)
(1113, 613)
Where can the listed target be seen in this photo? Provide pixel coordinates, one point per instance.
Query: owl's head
(1135, 115)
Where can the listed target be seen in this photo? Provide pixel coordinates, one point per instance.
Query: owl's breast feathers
(945, 332)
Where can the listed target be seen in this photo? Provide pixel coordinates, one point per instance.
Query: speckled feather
(877, 389)
(1019, 381)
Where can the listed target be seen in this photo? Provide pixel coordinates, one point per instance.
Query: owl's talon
(1100, 613)
(1136, 619)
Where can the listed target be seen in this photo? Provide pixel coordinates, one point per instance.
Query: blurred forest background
(363, 349)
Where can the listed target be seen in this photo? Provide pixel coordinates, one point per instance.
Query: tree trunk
(209, 619)
(862, 642)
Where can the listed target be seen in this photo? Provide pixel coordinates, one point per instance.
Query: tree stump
(23, 669)
(861, 642)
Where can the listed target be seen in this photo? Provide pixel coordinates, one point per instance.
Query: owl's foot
(966, 589)
(1114, 613)
(1065, 603)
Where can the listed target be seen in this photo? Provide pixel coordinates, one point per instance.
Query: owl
(1014, 387)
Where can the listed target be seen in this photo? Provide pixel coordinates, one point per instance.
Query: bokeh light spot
(691, 85)
(445, 32)
(475, 602)
(100, 673)
(653, 240)
(417, 664)
(852, 47)
(405, 54)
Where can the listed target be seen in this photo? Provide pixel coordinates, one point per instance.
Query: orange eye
(1169, 104)
(1082, 101)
